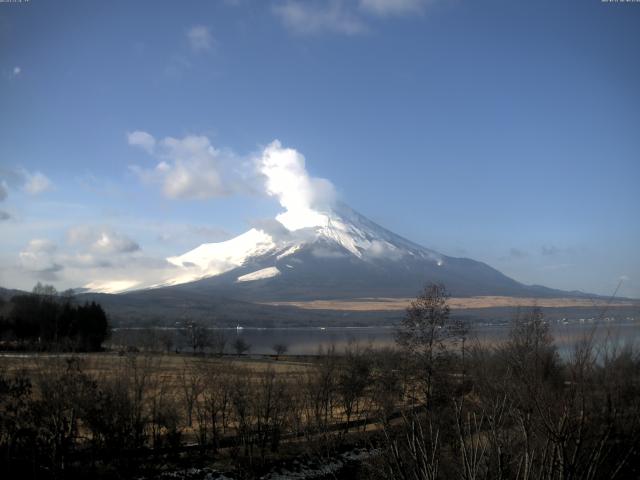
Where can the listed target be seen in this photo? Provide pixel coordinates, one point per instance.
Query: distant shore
(456, 303)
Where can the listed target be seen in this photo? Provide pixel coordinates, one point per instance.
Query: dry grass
(162, 373)
(170, 367)
(456, 303)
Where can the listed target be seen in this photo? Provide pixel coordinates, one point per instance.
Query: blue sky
(502, 131)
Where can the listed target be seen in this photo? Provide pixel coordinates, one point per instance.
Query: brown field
(169, 376)
(170, 366)
(456, 303)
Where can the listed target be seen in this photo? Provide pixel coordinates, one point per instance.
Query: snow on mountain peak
(342, 227)
(311, 218)
(214, 258)
(329, 233)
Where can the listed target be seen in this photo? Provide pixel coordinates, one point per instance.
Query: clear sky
(504, 131)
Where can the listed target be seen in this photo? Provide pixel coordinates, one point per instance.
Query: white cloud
(286, 177)
(85, 254)
(317, 17)
(16, 71)
(113, 243)
(194, 172)
(101, 240)
(118, 273)
(33, 183)
(393, 7)
(142, 139)
(36, 183)
(347, 17)
(90, 254)
(38, 257)
(189, 169)
(200, 38)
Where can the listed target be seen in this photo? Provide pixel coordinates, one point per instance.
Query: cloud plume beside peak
(287, 179)
(191, 168)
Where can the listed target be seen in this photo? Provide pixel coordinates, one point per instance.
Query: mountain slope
(338, 254)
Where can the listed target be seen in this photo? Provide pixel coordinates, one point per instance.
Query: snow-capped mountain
(317, 248)
(339, 232)
(329, 253)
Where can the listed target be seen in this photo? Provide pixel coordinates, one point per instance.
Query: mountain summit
(317, 248)
(330, 253)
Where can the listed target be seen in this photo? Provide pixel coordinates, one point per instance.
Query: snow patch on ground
(289, 251)
(259, 274)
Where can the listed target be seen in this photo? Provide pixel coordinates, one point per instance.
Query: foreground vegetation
(435, 407)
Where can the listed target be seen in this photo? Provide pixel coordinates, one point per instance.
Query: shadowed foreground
(436, 407)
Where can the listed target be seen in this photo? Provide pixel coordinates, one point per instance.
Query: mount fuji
(316, 249)
(334, 253)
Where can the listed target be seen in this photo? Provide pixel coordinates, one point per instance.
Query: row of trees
(192, 337)
(46, 319)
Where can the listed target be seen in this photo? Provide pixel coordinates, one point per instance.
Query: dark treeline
(47, 320)
(437, 407)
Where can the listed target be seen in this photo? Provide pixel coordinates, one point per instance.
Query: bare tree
(191, 386)
(216, 398)
(241, 346)
(353, 378)
(199, 336)
(218, 342)
(425, 331)
(280, 349)
(415, 453)
(270, 408)
(166, 340)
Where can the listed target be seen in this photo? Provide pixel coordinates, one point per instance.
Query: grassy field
(170, 366)
(456, 303)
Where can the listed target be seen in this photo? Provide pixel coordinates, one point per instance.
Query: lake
(308, 340)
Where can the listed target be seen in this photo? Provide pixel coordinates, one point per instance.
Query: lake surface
(309, 340)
